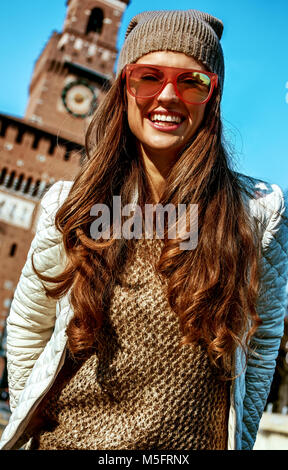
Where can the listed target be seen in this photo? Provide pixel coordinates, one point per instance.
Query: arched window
(95, 22)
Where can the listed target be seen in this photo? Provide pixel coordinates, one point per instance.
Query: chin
(163, 143)
(167, 147)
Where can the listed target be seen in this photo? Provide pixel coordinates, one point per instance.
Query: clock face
(79, 98)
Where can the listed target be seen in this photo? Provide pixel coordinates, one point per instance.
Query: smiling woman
(150, 118)
(134, 342)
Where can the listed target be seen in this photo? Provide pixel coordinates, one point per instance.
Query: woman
(141, 343)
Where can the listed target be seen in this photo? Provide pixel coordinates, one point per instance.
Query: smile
(166, 121)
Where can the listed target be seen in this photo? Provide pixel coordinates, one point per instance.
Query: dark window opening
(52, 147)
(36, 188)
(3, 128)
(10, 180)
(27, 185)
(19, 136)
(13, 249)
(67, 154)
(36, 142)
(2, 175)
(19, 182)
(95, 22)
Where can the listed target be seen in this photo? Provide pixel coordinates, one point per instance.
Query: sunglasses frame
(171, 75)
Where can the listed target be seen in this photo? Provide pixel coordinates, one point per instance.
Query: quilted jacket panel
(36, 325)
(271, 307)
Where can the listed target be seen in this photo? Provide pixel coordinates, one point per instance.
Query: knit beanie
(192, 32)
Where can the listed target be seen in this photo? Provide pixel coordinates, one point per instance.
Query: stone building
(68, 82)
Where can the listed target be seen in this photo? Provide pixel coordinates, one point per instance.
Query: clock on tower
(75, 69)
(80, 98)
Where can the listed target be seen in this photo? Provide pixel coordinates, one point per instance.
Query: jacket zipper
(232, 414)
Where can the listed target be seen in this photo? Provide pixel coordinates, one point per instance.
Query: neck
(157, 166)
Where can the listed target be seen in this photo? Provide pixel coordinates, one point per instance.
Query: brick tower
(69, 80)
(75, 66)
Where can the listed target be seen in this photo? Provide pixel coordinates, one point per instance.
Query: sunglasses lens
(145, 81)
(194, 87)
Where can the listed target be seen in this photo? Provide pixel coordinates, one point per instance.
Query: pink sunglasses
(191, 86)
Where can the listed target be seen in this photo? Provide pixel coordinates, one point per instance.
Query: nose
(168, 94)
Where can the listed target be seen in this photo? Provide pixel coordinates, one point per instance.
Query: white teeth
(165, 118)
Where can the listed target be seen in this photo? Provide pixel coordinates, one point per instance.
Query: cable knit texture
(140, 391)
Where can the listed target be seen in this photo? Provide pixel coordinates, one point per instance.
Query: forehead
(170, 59)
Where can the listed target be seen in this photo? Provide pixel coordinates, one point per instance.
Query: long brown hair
(213, 289)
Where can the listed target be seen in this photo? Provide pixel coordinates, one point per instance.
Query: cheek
(196, 117)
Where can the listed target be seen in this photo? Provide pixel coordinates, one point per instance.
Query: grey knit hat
(195, 33)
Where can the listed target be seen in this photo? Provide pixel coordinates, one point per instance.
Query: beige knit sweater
(143, 391)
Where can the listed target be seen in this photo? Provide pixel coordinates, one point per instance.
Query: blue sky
(255, 44)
